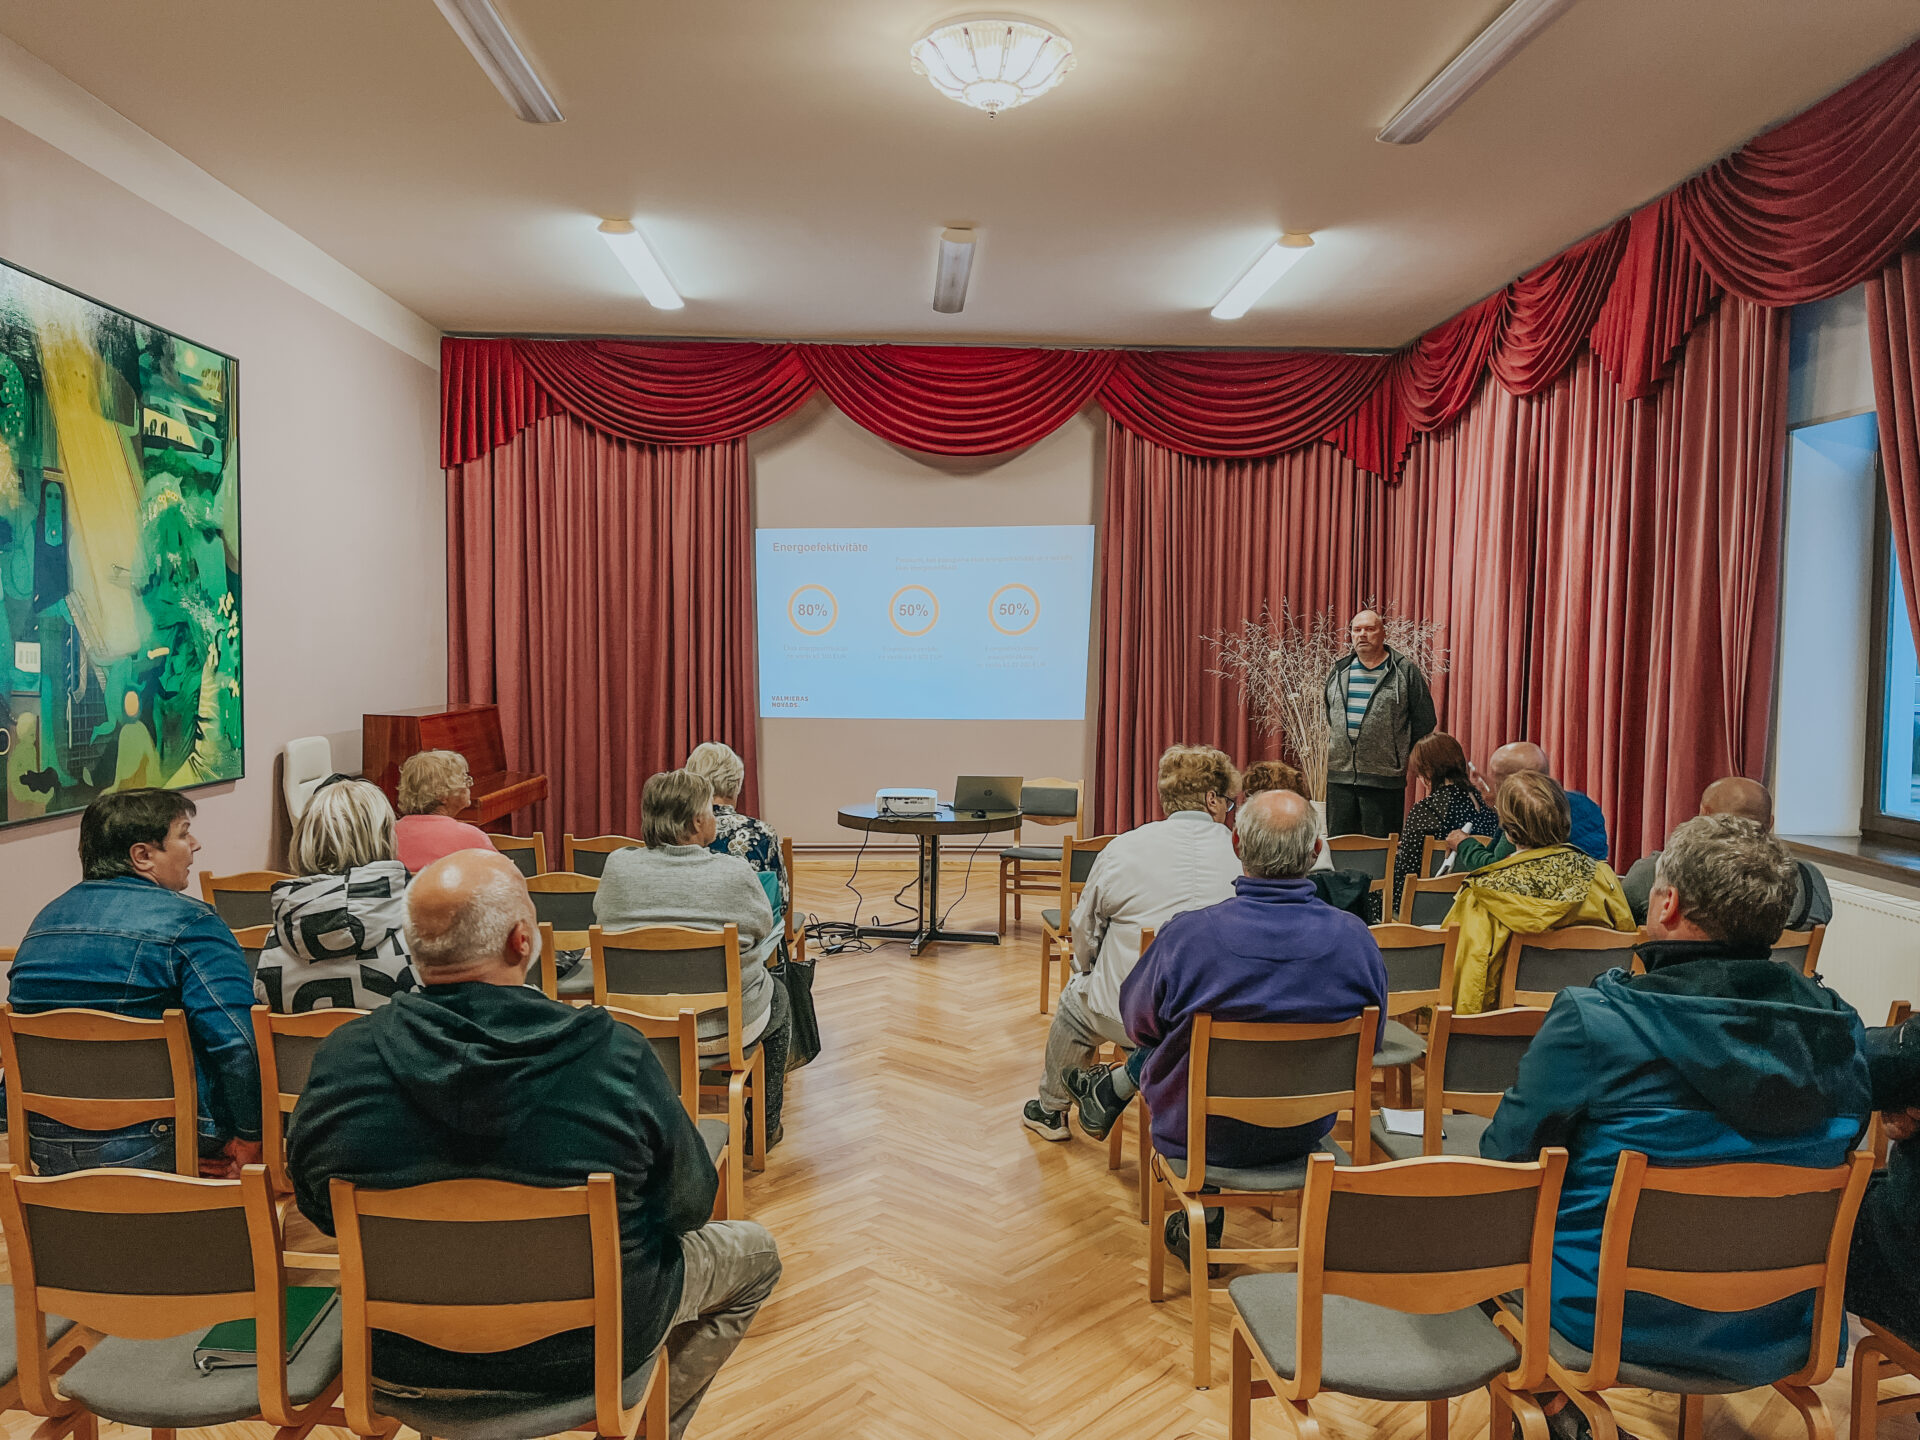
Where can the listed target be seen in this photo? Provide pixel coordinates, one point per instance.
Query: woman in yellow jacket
(1544, 885)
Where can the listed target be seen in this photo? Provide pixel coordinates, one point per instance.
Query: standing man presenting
(1377, 707)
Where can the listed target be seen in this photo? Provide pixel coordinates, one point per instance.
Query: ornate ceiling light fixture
(992, 62)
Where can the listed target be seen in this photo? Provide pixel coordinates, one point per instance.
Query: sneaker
(1092, 1090)
(1180, 1244)
(1047, 1124)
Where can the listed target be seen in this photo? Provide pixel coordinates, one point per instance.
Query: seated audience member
(1451, 803)
(1265, 775)
(477, 1075)
(1588, 832)
(1883, 1284)
(1274, 952)
(129, 940)
(677, 880)
(1749, 799)
(736, 834)
(1545, 884)
(1716, 1055)
(1137, 883)
(435, 786)
(339, 931)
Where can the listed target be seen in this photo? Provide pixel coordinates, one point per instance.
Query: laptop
(980, 795)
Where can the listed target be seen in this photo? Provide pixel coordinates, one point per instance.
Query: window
(1893, 797)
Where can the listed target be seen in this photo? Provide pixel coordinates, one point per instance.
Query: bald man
(1749, 799)
(1589, 824)
(477, 1075)
(1378, 706)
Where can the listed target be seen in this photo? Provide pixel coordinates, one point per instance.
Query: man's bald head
(470, 912)
(1515, 756)
(1736, 795)
(1279, 835)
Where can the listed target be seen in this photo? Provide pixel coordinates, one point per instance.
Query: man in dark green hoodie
(478, 1076)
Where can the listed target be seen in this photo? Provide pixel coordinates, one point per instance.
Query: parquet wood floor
(950, 1276)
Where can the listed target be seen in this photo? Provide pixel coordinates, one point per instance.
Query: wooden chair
(1898, 1013)
(796, 933)
(1056, 925)
(415, 1249)
(1395, 1263)
(286, 1045)
(676, 1044)
(241, 900)
(96, 1071)
(565, 901)
(1264, 1074)
(1419, 977)
(151, 1261)
(1878, 1354)
(1471, 1061)
(1720, 1238)
(252, 940)
(661, 970)
(587, 854)
(1433, 850)
(1143, 1134)
(1426, 902)
(1539, 966)
(1802, 948)
(540, 974)
(1035, 869)
(528, 852)
(1372, 856)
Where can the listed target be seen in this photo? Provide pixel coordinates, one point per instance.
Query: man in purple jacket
(1275, 952)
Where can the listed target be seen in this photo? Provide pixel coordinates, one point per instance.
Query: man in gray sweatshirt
(676, 880)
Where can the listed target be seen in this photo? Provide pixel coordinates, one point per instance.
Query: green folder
(231, 1343)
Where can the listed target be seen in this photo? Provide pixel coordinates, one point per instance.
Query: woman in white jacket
(339, 931)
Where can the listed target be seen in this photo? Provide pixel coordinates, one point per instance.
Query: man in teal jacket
(1717, 1054)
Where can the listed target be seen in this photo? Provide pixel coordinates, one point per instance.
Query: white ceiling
(793, 174)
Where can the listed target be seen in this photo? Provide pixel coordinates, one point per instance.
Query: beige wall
(343, 540)
(820, 469)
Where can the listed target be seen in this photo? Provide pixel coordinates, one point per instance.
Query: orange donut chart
(914, 610)
(806, 614)
(1023, 605)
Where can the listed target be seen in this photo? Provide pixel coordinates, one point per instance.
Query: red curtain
(601, 593)
(1893, 334)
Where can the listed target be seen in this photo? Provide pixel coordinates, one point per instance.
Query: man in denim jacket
(127, 939)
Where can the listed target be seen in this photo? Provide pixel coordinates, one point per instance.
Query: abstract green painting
(119, 554)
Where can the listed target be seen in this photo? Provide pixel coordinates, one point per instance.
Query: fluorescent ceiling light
(629, 247)
(485, 34)
(1493, 47)
(1278, 258)
(956, 266)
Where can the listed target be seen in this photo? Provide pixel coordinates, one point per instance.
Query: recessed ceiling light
(956, 265)
(1278, 258)
(630, 248)
(1493, 47)
(485, 34)
(992, 62)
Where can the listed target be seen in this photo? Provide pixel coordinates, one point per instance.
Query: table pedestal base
(927, 930)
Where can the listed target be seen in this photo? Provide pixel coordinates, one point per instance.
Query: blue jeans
(60, 1149)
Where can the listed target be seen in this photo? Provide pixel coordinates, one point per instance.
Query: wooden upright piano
(473, 730)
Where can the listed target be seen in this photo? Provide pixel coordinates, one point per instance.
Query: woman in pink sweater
(435, 786)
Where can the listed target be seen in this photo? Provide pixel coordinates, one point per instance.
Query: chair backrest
(1426, 1237)
(1053, 801)
(286, 1045)
(1801, 948)
(1369, 854)
(1724, 1238)
(565, 902)
(790, 919)
(252, 940)
(1433, 850)
(1419, 965)
(1426, 902)
(541, 974)
(663, 969)
(97, 1071)
(676, 1045)
(407, 1268)
(1540, 965)
(1472, 1060)
(528, 852)
(587, 854)
(144, 1256)
(1278, 1074)
(241, 900)
(304, 764)
(1076, 864)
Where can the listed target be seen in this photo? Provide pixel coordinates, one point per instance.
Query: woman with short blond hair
(435, 786)
(753, 840)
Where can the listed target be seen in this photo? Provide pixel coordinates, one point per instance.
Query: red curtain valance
(1800, 213)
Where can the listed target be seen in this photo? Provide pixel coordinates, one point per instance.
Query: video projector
(897, 802)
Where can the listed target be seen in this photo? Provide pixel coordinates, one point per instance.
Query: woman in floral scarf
(1544, 885)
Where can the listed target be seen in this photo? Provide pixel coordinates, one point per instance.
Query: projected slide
(986, 623)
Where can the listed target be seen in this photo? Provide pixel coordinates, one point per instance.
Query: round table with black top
(928, 831)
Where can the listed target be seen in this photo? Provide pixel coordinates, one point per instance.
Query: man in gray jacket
(1377, 707)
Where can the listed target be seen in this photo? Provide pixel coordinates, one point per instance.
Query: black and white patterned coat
(339, 941)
